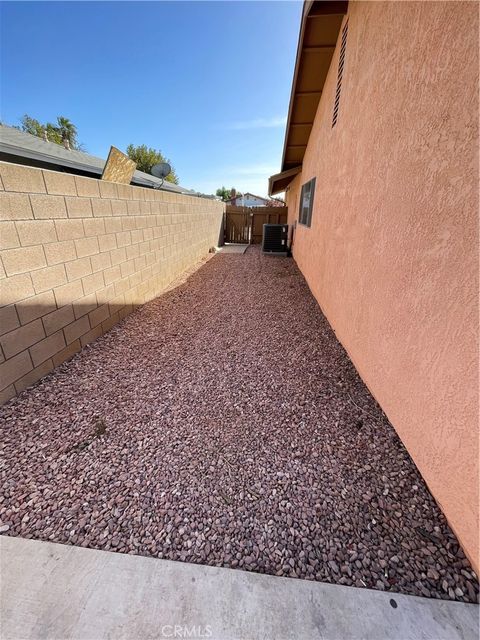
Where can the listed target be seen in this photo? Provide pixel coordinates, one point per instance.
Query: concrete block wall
(78, 254)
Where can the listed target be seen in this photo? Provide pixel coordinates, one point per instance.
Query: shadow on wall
(37, 338)
(221, 233)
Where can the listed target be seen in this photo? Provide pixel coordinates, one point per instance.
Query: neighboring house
(380, 168)
(24, 148)
(250, 200)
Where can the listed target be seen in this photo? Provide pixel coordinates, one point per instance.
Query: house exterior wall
(392, 252)
(249, 201)
(78, 254)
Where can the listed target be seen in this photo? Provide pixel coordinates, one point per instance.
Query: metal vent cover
(341, 64)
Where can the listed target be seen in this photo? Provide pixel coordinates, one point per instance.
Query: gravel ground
(223, 424)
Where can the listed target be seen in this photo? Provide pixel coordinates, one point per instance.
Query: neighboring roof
(321, 22)
(244, 195)
(19, 144)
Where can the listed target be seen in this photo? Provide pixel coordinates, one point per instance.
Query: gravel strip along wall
(223, 424)
(78, 254)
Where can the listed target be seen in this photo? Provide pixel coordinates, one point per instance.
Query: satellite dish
(161, 170)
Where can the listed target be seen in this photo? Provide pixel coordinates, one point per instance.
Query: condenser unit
(275, 239)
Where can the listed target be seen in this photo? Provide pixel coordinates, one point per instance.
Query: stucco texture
(392, 252)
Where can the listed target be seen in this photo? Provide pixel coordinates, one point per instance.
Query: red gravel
(223, 424)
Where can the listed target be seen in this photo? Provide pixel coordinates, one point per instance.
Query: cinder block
(140, 263)
(110, 322)
(8, 235)
(35, 307)
(150, 258)
(100, 314)
(69, 229)
(16, 288)
(34, 376)
(107, 189)
(121, 286)
(47, 348)
(101, 208)
(49, 278)
(57, 252)
(58, 319)
(127, 268)
(93, 283)
(16, 177)
(130, 297)
(8, 319)
(78, 268)
(84, 305)
(23, 260)
(87, 247)
(76, 329)
(100, 262)
(145, 207)
(13, 369)
(106, 294)
(59, 183)
(119, 207)
(22, 338)
(135, 280)
(113, 225)
(33, 232)
(117, 302)
(47, 207)
(133, 207)
(124, 192)
(15, 206)
(79, 207)
(68, 293)
(107, 242)
(142, 222)
(94, 227)
(118, 255)
(112, 274)
(133, 251)
(128, 308)
(7, 394)
(67, 353)
(91, 335)
(87, 187)
(128, 224)
(123, 239)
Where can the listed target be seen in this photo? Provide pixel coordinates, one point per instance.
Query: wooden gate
(244, 225)
(237, 225)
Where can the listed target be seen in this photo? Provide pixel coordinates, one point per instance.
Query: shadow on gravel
(223, 424)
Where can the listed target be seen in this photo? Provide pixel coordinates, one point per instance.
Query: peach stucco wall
(392, 252)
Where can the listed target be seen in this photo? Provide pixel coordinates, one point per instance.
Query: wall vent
(341, 63)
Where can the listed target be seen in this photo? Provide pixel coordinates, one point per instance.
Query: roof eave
(310, 42)
(280, 181)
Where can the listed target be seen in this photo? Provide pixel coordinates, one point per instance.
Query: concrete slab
(54, 591)
(233, 248)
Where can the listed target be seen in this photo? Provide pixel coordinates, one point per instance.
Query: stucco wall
(78, 254)
(392, 252)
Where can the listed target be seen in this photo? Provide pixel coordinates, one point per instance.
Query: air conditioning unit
(275, 239)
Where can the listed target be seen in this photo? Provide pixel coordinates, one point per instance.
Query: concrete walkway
(233, 248)
(63, 592)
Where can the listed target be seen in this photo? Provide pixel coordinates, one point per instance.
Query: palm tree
(67, 131)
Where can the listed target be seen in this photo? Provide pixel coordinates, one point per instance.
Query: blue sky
(208, 83)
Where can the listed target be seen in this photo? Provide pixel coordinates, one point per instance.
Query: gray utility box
(275, 239)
